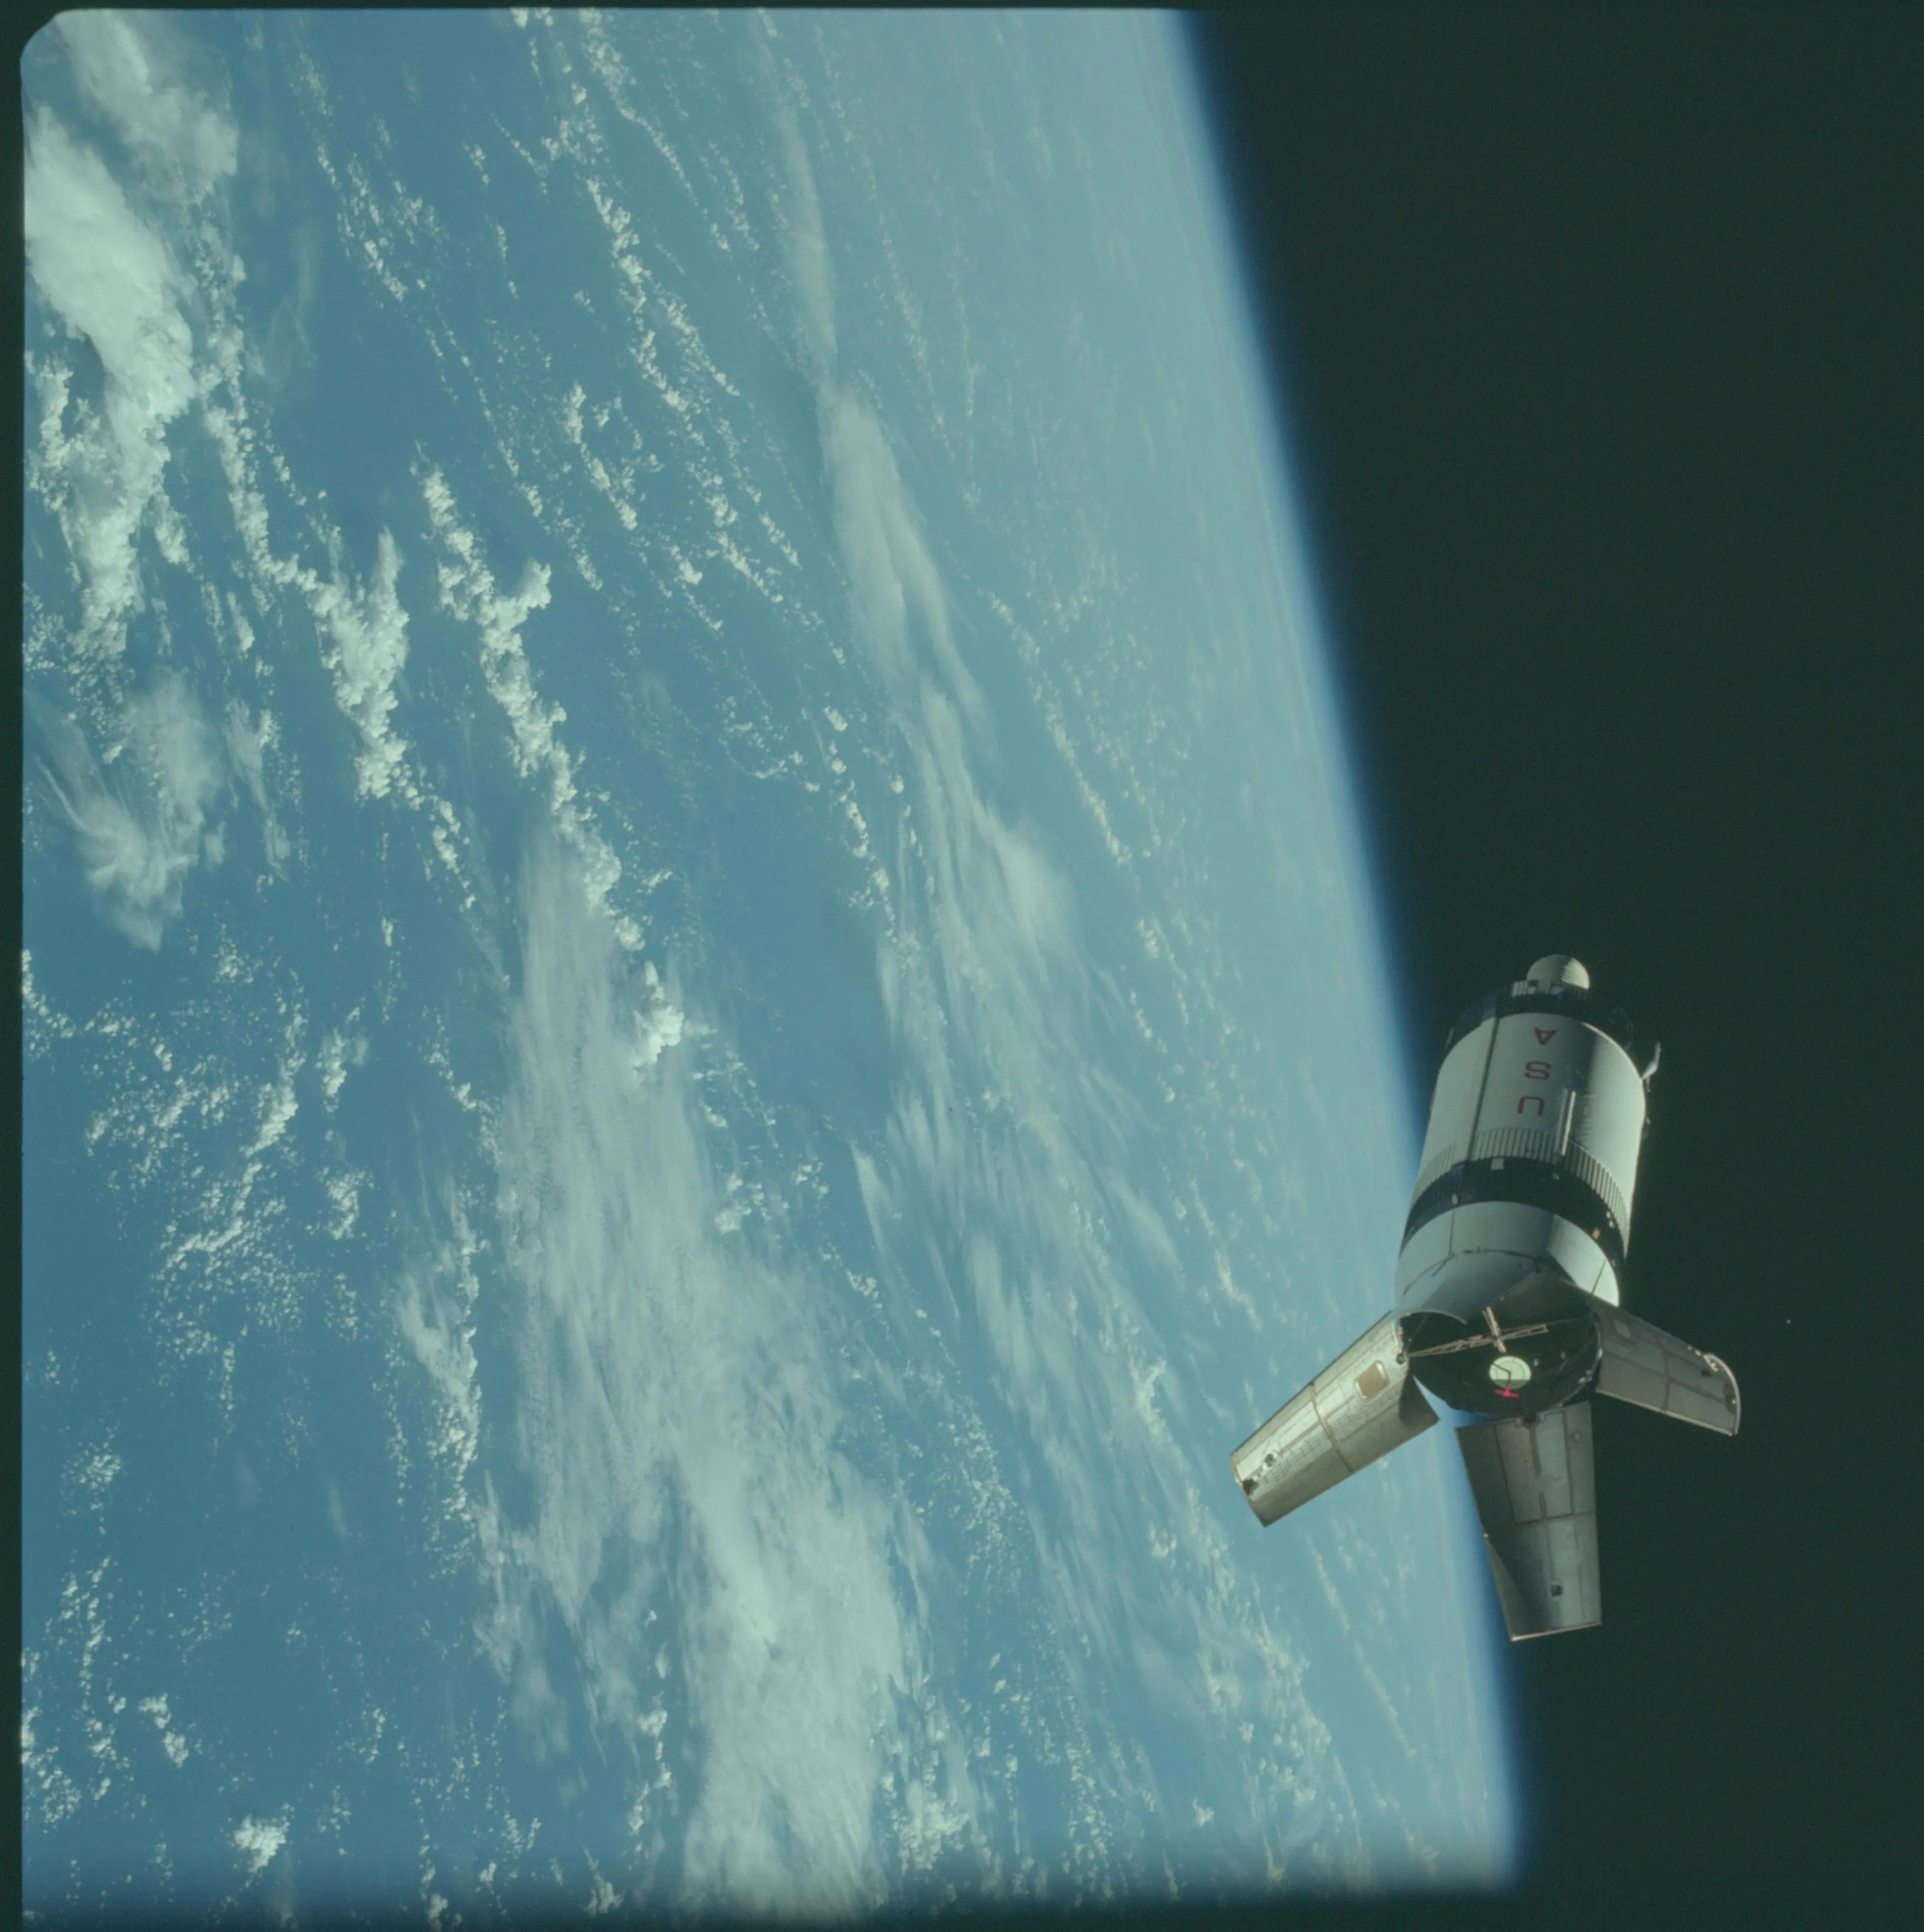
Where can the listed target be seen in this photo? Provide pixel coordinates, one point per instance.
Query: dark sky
(1598, 335)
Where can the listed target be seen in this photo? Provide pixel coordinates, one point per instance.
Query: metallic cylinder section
(1537, 1101)
(1643, 1365)
(1536, 1497)
(1453, 1106)
(1607, 1130)
(1538, 1063)
(1561, 1091)
(1362, 1406)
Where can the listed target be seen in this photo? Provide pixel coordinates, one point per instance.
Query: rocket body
(1524, 1194)
(1507, 1292)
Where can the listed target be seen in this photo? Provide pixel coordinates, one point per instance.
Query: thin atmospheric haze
(703, 1014)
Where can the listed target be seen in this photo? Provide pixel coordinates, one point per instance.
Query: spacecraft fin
(1363, 1406)
(1641, 1364)
(1535, 1483)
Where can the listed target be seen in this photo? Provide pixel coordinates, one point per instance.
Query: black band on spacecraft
(1547, 1184)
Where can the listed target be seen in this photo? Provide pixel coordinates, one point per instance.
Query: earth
(704, 1015)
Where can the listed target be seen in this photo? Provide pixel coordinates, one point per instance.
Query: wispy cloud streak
(1011, 1144)
(101, 267)
(139, 826)
(677, 1421)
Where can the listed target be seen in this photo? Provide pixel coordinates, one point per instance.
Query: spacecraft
(1507, 1299)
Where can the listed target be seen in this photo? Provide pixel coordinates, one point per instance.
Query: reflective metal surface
(1362, 1406)
(1536, 1497)
(1506, 1287)
(1641, 1364)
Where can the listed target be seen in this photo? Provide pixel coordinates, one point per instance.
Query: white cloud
(659, 1028)
(1006, 922)
(257, 1839)
(364, 645)
(895, 589)
(108, 277)
(172, 1742)
(989, 995)
(139, 827)
(361, 623)
(129, 66)
(106, 271)
(1008, 1133)
(803, 244)
(433, 1311)
(678, 1401)
(248, 742)
(338, 1051)
(469, 593)
(344, 1191)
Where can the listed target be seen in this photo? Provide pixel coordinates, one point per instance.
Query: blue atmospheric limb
(699, 992)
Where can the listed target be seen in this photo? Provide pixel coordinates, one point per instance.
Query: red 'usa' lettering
(1537, 1069)
(1531, 1100)
(1544, 1038)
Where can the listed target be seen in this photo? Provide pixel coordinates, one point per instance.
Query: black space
(1598, 336)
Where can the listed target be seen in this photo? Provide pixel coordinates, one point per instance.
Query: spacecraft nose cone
(1556, 969)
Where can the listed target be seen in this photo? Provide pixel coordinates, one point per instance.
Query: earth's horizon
(703, 1014)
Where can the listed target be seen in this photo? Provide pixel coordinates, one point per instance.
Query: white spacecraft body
(1507, 1293)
